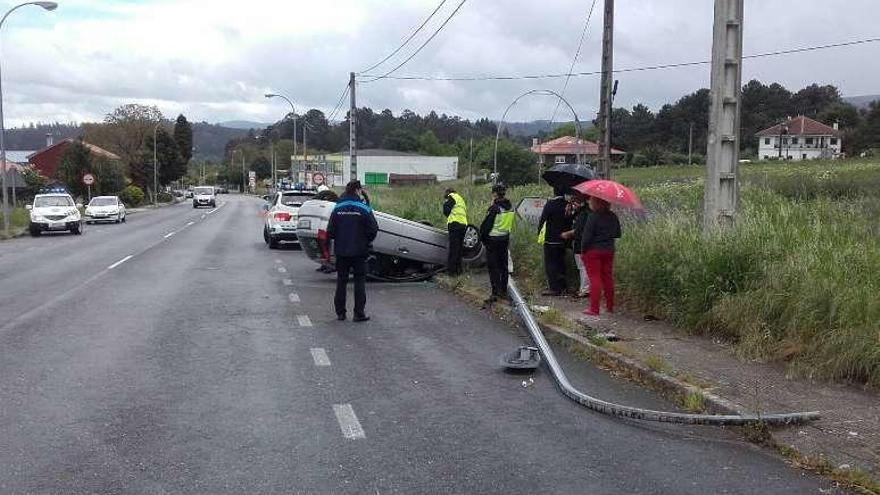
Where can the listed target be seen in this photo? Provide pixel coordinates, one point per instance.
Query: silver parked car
(404, 250)
(105, 209)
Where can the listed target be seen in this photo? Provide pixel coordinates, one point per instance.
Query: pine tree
(183, 136)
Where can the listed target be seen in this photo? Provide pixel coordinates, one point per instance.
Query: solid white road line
(320, 356)
(169, 234)
(304, 321)
(190, 224)
(123, 260)
(288, 282)
(348, 421)
(294, 297)
(281, 269)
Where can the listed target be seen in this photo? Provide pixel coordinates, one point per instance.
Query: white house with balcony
(800, 138)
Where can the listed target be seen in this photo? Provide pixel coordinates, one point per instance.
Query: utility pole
(722, 155)
(605, 92)
(352, 128)
(691, 143)
(243, 178)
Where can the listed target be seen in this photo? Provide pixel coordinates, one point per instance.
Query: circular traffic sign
(88, 179)
(318, 179)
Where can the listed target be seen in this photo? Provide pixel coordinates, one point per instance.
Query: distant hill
(861, 102)
(534, 127)
(210, 140)
(243, 124)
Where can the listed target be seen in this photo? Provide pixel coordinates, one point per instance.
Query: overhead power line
(339, 104)
(406, 41)
(423, 45)
(574, 60)
(631, 69)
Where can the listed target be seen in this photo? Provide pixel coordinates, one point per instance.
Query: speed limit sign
(88, 179)
(318, 179)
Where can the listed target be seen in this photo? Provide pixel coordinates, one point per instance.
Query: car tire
(35, 232)
(273, 243)
(123, 218)
(265, 235)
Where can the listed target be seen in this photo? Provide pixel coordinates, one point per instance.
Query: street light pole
(3, 168)
(155, 163)
(292, 112)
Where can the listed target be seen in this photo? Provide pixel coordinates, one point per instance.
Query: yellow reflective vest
(459, 210)
(503, 224)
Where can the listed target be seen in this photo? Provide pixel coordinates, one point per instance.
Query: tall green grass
(797, 278)
(19, 218)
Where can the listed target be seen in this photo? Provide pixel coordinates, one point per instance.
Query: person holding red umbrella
(600, 232)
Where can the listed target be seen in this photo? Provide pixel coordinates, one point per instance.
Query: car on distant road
(55, 212)
(204, 196)
(281, 215)
(189, 193)
(105, 209)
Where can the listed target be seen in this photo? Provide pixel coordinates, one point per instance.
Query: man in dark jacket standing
(455, 211)
(495, 234)
(353, 228)
(555, 221)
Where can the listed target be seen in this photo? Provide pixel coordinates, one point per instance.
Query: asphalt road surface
(176, 353)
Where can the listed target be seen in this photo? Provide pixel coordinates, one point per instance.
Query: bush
(132, 196)
(640, 160)
(675, 159)
(164, 197)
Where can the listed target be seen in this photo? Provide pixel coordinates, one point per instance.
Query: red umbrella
(613, 192)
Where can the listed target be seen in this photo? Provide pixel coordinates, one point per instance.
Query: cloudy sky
(214, 60)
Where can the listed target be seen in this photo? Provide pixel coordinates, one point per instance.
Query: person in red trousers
(597, 252)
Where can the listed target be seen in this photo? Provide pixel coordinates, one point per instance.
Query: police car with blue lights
(54, 210)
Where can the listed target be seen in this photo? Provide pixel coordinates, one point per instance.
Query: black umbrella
(568, 175)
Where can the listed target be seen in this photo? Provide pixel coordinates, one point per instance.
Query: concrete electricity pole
(605, 92)
(722, 155)
(352, 128)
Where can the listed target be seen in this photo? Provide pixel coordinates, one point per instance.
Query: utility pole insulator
(722, 154)
(352, 127)
(607, 88)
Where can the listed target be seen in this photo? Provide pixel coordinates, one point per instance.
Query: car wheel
(273, 243)
(123, 218)
(35, 232)
(265, 235)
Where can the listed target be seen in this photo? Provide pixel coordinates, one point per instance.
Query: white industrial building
(800, 138)
(375, 166)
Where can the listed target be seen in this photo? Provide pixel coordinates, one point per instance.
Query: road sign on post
(318, 179)
(88, 180)
(530, 208)
(252, 179)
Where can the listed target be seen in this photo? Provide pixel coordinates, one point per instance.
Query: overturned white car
(404, 250)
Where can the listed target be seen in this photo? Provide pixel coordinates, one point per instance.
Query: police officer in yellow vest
(495, 234)
(455, 210)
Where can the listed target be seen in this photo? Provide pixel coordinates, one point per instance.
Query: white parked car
(281, 215)
(55, 212)
(105, 209)
(204, 196)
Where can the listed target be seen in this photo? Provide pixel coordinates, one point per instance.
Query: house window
(560, 158)
(808, 140)
(766, 140)
(794, 140)
(833, 141)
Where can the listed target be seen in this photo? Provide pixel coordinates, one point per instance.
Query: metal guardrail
(612, 409)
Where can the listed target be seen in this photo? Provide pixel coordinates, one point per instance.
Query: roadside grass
(795, 280)
(19, 219)
(694, 402)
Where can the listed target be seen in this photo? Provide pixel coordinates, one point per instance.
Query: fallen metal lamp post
(634, 412)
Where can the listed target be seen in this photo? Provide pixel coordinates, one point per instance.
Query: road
(178, 354)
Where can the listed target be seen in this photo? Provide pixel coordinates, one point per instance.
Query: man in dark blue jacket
(353, 228)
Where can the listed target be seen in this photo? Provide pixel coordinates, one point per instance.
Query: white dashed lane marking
(348, 421)
(281, 269)
(190, 224)
(169, 234)
(320, 356)
(123, 260)
(288, 282)
(304, 321)
(294, 297)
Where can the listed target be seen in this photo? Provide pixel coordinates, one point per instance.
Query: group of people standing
(589, 227)
(586, 225)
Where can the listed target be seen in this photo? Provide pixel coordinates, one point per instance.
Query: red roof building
(567, 149)
(800, 138)
(46, 160)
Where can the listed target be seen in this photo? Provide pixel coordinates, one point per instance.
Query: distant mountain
(209, 140)
(243, 124)
(861, 102)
